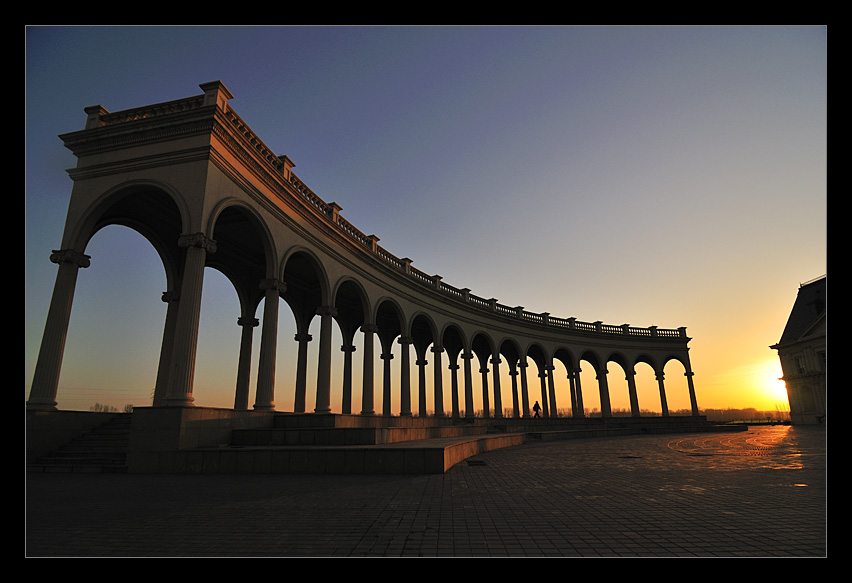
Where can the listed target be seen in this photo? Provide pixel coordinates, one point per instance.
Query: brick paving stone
(760, 493)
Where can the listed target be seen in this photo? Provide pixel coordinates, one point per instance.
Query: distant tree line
(101, 408)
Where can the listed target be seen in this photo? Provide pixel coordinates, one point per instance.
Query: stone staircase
(102, 449)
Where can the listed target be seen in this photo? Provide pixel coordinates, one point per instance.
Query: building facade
(802, 354)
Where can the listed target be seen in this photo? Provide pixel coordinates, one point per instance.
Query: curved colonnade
(204, 190)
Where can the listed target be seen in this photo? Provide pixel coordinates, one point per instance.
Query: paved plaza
(756, 493)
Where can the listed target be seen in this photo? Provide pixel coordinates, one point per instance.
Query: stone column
(46, 375)
(161, 386)
(545, 409)
(663, 401)
(552, 390)
(241, 395)
(421, 384)
(468, 385)
(513, 373)
(603, 388)
(693, 401)
(486, 406)
(197, 247)
(347, 350)
(454, 380)
(525, 397)
(405, 377)
(438, 381)
(573, 389)
(265, 395)
(323, 401)
(498, 397)
(301, 372)
(631, 389)
(581, 409)
(386, 383)
(367, 407)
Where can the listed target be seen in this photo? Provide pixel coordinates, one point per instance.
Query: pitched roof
(808, 310)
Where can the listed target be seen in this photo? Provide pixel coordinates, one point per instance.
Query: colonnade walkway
(755, 493)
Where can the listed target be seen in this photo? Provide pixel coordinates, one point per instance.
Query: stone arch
(511, 351)
(303, 285)
(594, 383)
(482, 346)
(154, 212)
(392, 329)
(622, 391)
(648, 370)
(454, 343)
(676, 383)
(569, 361)
(152, 209)
(245, 251)
(351, 312)
(424, 333)
(544, 394)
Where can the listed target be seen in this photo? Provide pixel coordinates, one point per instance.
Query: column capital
(170, 296)
(303, 338)
(405, 340)
(272, 283)
(326, 311)
(348, 348)
(70, 256)
(197, 240)
(436, 348)
(369, 328)
(246, 321)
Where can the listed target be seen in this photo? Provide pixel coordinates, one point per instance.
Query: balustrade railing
(330, 212)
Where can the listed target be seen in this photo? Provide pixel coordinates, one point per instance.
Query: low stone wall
(162, 437)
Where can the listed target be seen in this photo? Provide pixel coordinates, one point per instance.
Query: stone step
(102, 449)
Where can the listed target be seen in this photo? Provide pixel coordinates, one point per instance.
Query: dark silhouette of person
(536, 408)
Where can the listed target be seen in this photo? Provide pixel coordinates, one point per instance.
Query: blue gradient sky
(669, 176)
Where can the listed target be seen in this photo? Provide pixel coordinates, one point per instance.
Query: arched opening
(512, 398)
(218, 349)
(566, 403)
(116, 327)
(304, 292)
(347, 378)
(389, 321)
(619, 387)
(677, 387)
(423, 335)
(452, 340)
(537, 380)
(590, 364)
(647, 388)
(483, 378)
